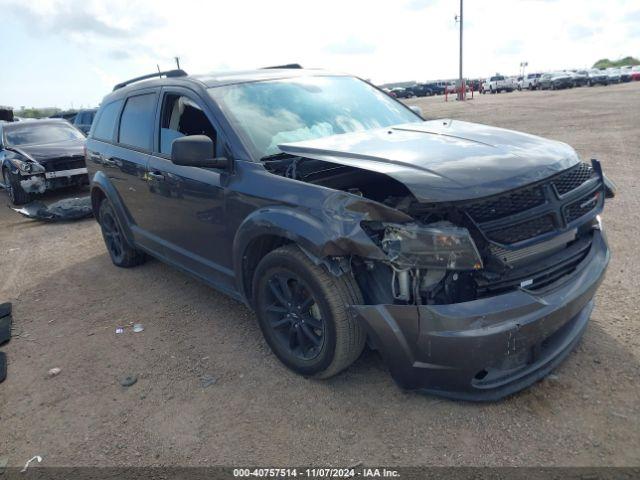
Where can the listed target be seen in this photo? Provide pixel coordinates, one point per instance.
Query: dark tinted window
(136, 123)
(105, 126)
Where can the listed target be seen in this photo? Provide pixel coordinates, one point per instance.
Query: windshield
(280, 111)
(34, 133)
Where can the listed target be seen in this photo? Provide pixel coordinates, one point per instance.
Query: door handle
(155, 176)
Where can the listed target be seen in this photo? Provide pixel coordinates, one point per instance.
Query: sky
(70, 53)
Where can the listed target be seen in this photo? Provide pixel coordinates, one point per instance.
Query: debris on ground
(5, 322)
(119, 329)
(53, 372)
(128, 380)
(3, 366)
(207, 381)
(4, 461)
(63, 210)
(137, 327)
(26, 465)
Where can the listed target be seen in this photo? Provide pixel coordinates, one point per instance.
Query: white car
(499, 83)
(529, 82)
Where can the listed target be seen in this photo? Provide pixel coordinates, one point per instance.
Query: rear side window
(136, 123)
(106, 124)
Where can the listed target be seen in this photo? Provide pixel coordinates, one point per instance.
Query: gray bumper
(488, 348)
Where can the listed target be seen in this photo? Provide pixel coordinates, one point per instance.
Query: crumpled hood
(48, 151)
(444, 160)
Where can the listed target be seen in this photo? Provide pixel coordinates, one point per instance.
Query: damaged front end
(478, 299)
(32, 175)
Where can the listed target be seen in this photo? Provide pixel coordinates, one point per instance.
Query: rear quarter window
(105, 125)
(136, 122)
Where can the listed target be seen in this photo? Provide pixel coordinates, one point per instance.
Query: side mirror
(196, 151)
(417, 110)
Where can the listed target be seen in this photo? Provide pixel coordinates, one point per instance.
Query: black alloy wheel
(303, 313)
(294, 316)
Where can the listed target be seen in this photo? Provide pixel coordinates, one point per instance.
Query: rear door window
(136, 123)
(106, 123)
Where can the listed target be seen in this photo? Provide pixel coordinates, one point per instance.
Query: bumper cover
(486, 349)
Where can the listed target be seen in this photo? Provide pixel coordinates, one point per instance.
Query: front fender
(334, 230)
(102, 186)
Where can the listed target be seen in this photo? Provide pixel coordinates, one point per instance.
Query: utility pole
(461, 92)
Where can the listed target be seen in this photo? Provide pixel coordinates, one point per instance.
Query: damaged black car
(467, 255)
(40, 155)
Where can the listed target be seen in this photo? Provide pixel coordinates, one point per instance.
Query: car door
(120, 147)
(186, 209)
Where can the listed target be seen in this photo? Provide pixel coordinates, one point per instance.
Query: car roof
(218, 79)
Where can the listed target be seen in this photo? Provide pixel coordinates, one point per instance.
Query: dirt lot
(68, 300)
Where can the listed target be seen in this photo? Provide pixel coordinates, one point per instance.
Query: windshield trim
(241, 134)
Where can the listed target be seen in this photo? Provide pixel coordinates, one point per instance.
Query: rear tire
(16, 193)
(122, 254)
(302, 312)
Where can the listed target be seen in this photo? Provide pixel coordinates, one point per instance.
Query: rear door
(120, 146)
(187, 204)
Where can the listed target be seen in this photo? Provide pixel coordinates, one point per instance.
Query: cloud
(118, 54)
(632, 17)
(419, 4)
(578, 32)
(513, 47)
(351, 46)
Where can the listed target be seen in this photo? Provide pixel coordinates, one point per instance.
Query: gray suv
(467, 255)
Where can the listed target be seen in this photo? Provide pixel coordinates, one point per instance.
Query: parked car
(422, 90)
(6, 114)
(625, 74)
(499, 83)
(597, 77)
(468, 255)
(401, 92)
(580, 78)
(437, 88)
(84, 119)
(475, 84)
(555, 80)
(614, 75)
(40, 155)
(529, 82)
(635, 72)
(68, 115)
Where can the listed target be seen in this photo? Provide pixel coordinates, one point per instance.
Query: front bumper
(40, 182)
(486, 349)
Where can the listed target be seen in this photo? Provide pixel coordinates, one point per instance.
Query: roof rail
(288, 65)
(168, 74)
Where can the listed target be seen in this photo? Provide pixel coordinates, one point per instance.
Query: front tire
(302, 312)
(16, 193)
(122, 254)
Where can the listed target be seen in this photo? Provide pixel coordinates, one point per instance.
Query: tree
(606, 63)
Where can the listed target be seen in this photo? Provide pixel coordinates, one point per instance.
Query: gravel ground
(68, 300)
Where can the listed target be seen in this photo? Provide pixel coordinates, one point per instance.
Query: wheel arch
(102, 188)
(267, 229)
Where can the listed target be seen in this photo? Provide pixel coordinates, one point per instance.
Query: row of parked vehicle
(578, 78)
(532, 81)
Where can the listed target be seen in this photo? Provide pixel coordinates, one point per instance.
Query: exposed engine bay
(454, 252)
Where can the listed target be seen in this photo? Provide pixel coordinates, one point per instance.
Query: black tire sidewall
(270, 266)
(107, 209)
